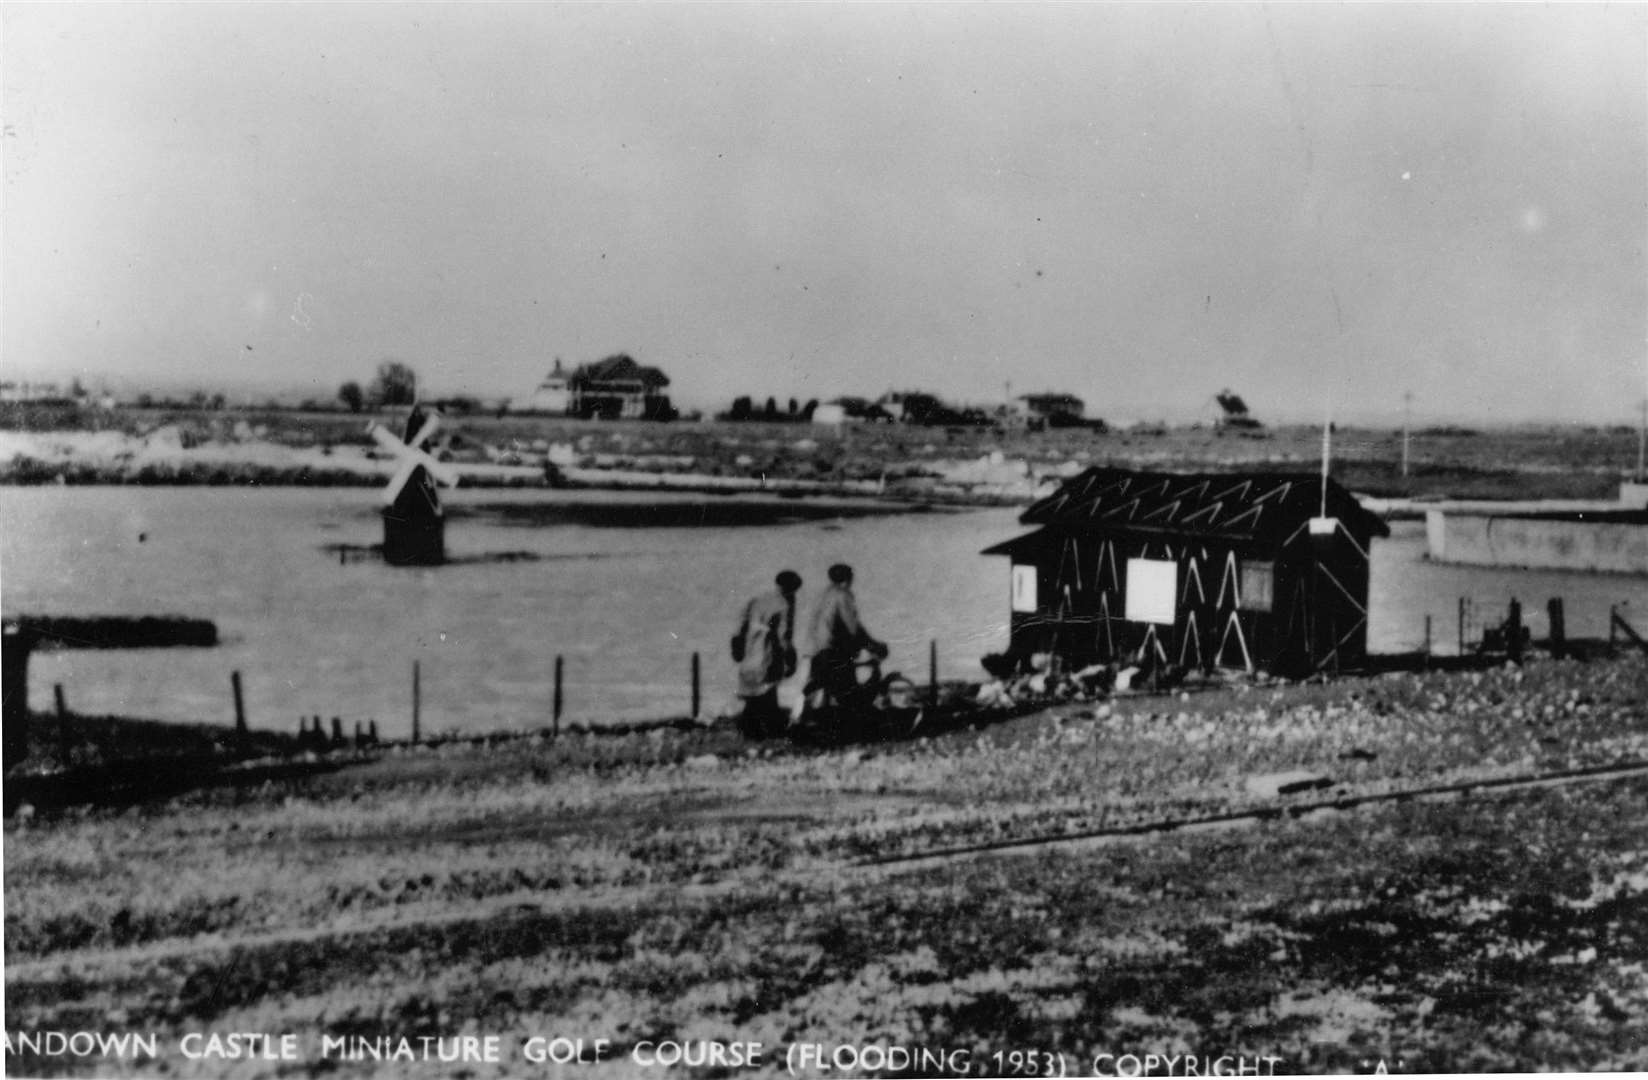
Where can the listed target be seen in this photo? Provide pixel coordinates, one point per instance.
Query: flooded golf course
(624, 586)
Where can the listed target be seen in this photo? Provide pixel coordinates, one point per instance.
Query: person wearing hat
(838, 635)
(764, 649)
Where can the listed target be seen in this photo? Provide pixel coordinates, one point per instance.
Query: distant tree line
(913, 408)
(744, 408)
(394, 384)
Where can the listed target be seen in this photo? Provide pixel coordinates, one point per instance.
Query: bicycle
(881, 706)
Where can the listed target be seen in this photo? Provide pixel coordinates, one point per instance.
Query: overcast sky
(1320, 206)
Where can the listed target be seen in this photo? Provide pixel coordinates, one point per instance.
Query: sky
(1323, 207)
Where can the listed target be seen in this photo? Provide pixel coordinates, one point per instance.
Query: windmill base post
(15, 648)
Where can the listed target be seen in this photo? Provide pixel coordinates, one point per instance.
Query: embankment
(1592, 541)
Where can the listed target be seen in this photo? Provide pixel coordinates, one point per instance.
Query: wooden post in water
(556, 730)
(1513, 632)
(1427, 639)
(417, 702)
(62, 725)
(241, 735)
(1559, 627)
(932, 672)
(1462, 604)
(695, 686)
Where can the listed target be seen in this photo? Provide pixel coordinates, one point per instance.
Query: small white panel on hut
(1152, 588)
(1024, 588)
(1270, 785)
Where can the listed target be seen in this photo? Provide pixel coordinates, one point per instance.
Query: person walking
(764, 649)
(837, 635)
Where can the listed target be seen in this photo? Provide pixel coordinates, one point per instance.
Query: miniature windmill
(414, 525)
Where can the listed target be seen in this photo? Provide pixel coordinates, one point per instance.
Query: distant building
(554, 394)
(1234, 412)
(920, 407)
(904, 406)
(858, 408)
(39, 392)
(830, 413)
(616, 388)
(1050, 409)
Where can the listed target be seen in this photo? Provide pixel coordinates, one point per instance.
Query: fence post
(695, 686)
(417, 703)
(62, 724)
(557, 713)
(1559, 628)
(240, 709)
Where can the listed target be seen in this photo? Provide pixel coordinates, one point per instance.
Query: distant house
(857, 408)
(905, 406)
(1051, 410)
(1201, 571)
(554, 394)
(616, 388)
(1234, 412)
(35, 392)
(919, 407)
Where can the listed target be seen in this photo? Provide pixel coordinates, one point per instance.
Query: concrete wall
(1633, 495)
(1489, 540)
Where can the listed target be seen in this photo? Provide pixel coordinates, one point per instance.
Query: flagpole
(1327, 449)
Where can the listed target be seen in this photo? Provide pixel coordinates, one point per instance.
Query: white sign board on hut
(1152, 585)
(1024, 588)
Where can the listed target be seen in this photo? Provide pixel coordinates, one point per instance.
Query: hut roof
(1239, 505)
(621, 368)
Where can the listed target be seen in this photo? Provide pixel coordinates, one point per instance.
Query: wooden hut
(1261, 572)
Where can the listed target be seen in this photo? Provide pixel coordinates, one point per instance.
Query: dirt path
(100, 965)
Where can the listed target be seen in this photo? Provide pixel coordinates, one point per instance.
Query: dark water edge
(715, 512)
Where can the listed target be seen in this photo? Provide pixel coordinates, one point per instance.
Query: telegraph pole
(1642, 440)
(1407, 417)
(1642, 432)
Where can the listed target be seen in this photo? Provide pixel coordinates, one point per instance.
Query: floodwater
(624, 586)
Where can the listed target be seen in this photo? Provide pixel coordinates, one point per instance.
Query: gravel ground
(681, 884)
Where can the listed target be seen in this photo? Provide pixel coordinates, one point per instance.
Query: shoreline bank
(1038, 881)
(78, 760)
(979, 467)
